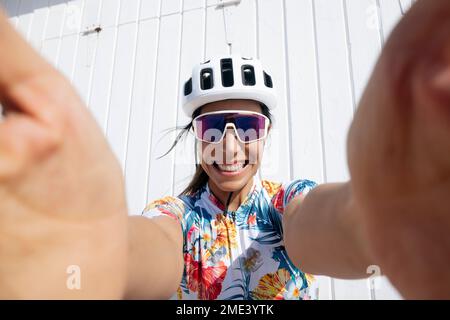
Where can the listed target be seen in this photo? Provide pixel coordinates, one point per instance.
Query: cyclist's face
(231, 164)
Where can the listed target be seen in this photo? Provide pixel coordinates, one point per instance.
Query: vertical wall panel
(129, 10)
(304, 99)
(39, 23)
(138, 150)
(276, 162)
(53, 31)
(73, 17)
(98, 101)
(243, 26)
(193, 4)
(165, 107)
(102, 78)
(150, 9)
(67, 55)
(171, 7)
(390, 13)
(91, 14)
(336, 105)
(364, 41)
(213, 2)
(70, 37)
(110, 13)
(304, 108)
(335, 91)
(26, 9)
(50, 50)
(121, 91)
(55, 19)
(215, 33)
(87, 46)
(192, 50)
(364, 45)
(383, 290)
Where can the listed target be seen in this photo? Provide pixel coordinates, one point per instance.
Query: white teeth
(231, 168)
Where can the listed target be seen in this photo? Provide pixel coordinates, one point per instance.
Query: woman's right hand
(399, 155)
(62, 198)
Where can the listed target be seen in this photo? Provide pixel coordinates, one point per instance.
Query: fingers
(25, 138)
(18, 63)
(404, 112)
(418, 26)
(414, 67)
(38, 104)
(426, 47)
(23, 141)
(421, 37)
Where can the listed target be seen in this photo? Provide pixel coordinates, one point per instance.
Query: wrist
(352, 222)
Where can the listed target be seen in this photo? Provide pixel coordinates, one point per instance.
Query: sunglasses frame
(229, 124)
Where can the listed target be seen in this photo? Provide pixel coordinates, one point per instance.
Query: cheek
(206, 158)
(255, 152)
(208, 153)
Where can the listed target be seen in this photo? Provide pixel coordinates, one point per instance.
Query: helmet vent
(188, 87)
(248, 75)
(206, 79)
(268, 80)
(226, 66)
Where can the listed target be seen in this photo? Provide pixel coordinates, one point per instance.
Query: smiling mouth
(230, 168)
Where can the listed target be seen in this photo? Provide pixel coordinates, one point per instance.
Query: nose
(231, 145)
(230, 139)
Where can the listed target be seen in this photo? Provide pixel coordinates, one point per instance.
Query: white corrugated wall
(129, 58)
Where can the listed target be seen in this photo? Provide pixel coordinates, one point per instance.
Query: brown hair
(200, 177)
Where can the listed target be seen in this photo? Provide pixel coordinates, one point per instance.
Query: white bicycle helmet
(228, 77)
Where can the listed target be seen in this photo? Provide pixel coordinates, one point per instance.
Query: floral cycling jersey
(237, 255)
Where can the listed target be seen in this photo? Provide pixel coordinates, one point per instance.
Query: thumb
(35, 99)
(24, 139)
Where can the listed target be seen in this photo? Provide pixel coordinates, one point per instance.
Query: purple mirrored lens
(210, 127)
(250, 127)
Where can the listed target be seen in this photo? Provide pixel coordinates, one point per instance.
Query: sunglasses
(248, 126)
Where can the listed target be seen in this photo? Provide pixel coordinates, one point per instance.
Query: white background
(320, 54)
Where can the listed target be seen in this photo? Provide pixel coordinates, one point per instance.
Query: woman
(231, 221)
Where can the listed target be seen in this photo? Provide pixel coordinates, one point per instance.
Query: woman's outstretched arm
(155, 260)
(64, 229)
(395, 211)
(322, 235)
(63, 212)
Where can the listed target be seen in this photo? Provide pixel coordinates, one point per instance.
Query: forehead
(247, 105)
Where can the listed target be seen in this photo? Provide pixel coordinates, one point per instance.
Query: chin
(231, 186)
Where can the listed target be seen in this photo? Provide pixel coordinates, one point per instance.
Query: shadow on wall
(21, 7)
